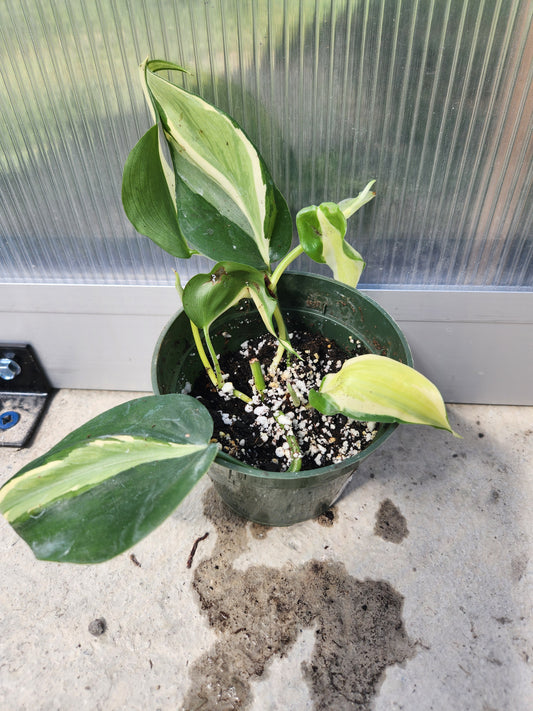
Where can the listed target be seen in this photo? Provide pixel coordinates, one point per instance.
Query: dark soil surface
(252, 434)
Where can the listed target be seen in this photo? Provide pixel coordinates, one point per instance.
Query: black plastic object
(24, 393)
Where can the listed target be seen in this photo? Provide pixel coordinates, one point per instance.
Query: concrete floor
(415, 593)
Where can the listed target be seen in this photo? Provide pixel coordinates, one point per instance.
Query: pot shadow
(260, 612)
(413, 453)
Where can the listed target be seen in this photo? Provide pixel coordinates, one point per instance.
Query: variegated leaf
(375, 388)
(111, 481)
(322, 232)
(227, 203)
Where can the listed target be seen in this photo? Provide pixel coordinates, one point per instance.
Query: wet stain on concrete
(519, 567)
(259, 613)
(390, 524)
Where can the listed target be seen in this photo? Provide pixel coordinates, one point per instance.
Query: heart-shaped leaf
(226, 198)
(112, 481)
(379, 389)
(207, 296)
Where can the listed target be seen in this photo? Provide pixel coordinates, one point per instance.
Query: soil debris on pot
(327, 518)
(251, 433)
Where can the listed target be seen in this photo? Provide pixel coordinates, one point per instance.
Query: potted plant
(110, 482)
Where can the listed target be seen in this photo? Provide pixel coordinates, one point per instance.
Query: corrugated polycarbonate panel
(432, 98)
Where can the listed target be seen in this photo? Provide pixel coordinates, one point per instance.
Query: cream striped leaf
(83, 468)
(111, 481)
(226, 201)
(376, 388)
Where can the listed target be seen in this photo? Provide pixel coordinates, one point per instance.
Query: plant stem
(242, 396)
(294, 447)
(296, 462)
(278, 271)
(207, 365)
(257, 374)
(282, 329)
(203, 356)
(294, 397)
(214, 359)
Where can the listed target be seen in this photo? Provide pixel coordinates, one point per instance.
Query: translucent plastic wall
(433, 98)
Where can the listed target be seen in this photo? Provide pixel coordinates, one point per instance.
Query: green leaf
(210, 232)
(224, 176)
(281, 237)
(207, 296)
(322, 232)
(112, 481)
(146, 197)
(380, 389)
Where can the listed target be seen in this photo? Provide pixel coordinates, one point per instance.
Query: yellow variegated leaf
(380, 389)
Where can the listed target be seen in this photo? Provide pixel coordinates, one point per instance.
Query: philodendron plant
(113, 480)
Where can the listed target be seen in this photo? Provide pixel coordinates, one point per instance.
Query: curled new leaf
(322, 232)
(380, 389)
(351, 205)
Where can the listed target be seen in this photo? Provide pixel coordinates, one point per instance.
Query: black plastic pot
(309, 301)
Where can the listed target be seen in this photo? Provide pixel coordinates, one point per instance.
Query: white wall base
(477, 346)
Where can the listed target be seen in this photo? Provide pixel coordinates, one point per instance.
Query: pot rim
(331, 470)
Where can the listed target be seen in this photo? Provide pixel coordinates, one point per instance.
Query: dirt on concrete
(390, 523)
(260, 612)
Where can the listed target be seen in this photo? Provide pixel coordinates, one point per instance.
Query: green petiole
(214, 359)
(294, 447)
(290, 257)
(294, 397)
(257, 374)
(282, 329)
(202, 354)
